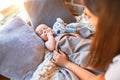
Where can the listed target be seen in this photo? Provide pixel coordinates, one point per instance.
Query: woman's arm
(78, 71)
(99, 77)
(62, 60)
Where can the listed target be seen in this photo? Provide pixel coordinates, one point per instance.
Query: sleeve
(113, 72)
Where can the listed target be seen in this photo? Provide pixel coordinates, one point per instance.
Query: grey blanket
(76, 49)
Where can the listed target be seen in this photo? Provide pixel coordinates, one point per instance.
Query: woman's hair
(106, 42)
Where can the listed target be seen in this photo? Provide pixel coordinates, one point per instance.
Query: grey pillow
(21, 50)
(47, 11)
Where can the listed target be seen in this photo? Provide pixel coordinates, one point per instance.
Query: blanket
(76, 49)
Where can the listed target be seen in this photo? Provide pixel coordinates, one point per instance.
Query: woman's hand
(60, 59)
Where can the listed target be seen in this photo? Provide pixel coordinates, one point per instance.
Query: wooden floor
(3, 78)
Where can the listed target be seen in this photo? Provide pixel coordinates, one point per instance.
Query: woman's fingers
(54, 58)
(62, 53)
(56, 54)
(59, 58)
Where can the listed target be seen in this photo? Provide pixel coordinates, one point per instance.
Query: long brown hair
(106, 41)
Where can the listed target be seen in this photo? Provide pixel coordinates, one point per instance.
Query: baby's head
(42, 31)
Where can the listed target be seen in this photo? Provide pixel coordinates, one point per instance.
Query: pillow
(47, 11)
(21, 50)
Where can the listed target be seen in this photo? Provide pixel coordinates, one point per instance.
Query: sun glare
(11, 7)
(1, 17)
(5, 3)
(19, 3)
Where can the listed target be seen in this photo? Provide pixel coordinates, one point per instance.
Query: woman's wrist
(67, 64)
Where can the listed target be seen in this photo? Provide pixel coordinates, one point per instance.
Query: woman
(105, 48)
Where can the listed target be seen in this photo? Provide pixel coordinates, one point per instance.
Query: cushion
(47, 11)
(21, 50)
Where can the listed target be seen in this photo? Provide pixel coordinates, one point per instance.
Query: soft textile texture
(47, 11)
(74, 47)
(46, 70)
(77, 50)
(21, 50)
(113, 72)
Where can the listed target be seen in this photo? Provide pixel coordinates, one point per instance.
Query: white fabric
(46, 70)
(113, 72)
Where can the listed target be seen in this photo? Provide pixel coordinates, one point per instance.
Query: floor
(3, 78)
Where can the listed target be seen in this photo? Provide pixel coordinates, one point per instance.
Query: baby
(46, 33)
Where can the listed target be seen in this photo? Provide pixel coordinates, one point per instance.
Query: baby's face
(42, 31)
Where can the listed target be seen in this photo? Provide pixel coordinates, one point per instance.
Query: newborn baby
(46, 33)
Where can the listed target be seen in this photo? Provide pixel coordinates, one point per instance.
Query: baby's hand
(49, 32)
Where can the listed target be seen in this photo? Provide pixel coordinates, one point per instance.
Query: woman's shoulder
(113, 71)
